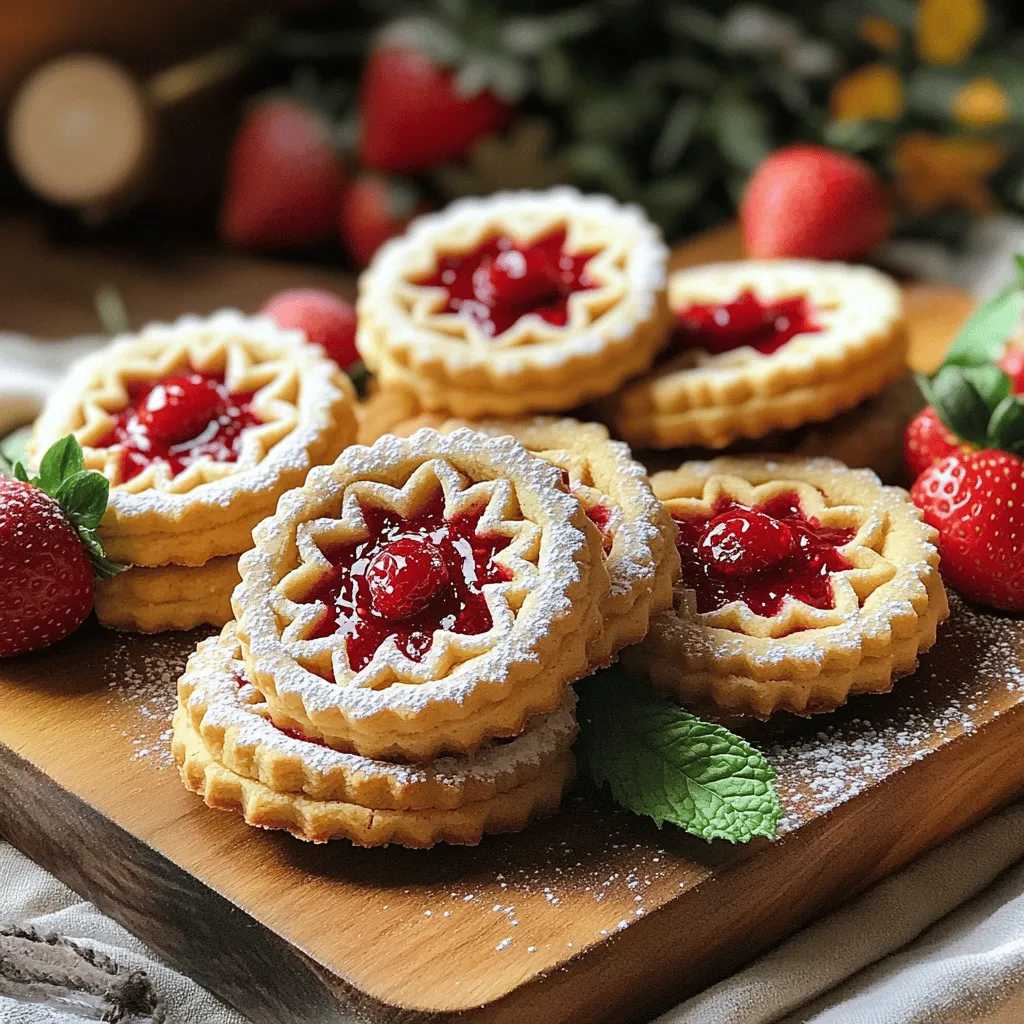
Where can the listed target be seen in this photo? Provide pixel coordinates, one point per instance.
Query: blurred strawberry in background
(284, 179)
(413, 114)
(814, 202)
(373, 209)
(326, 319)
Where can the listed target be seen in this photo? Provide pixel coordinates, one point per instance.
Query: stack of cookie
(408, 627)
(199, 426)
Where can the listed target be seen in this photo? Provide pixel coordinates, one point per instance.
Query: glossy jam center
(179, 420)
(760, 555)
(407, 578)
(498, 282)
(746, 321)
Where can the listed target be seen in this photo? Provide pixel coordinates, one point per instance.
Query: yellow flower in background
(932, 173)
(946, 30)
(981, 103)
(880, 33)
(871, 93)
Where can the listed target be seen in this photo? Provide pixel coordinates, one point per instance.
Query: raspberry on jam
(760, 555)
(746, 321)
(407, 578)
(498, 282)
(179, 420)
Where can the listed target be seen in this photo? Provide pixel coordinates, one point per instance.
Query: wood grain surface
(591, 916)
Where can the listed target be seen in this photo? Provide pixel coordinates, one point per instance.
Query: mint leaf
(660, 761)
(83, 497)
(982, 339)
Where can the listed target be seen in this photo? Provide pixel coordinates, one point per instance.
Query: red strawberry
(743, 541)
(283, 180)
(373, 209)
(981, 535)
(180, 408)
(814, 202)
(405, 576)
(944, 488)
(45, 572)
(927, 440)
(325, 319)
(412, 117)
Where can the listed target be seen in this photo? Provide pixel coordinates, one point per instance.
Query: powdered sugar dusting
(142, 675)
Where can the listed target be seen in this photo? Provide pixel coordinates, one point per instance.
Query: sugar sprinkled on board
(141, 677)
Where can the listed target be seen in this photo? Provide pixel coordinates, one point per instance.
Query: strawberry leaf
(982, 339)
(14, 449)
(62, 460)
(660, 761)
(83, 497)
(959, 404)
(1006, 426)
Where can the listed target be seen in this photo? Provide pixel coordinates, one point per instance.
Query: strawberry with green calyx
(971, 393)
(49, 551)
(969, 444)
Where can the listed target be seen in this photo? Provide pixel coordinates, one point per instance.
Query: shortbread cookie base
(304, 403)
(659, 424)
(152, 600)
(733, 661)
(232, 719)
(473, 395)
(698, 398)
(318, 821)
(643, 563)
(466, 690)
(613, 331)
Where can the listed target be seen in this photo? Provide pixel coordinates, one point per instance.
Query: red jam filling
(179, 420)
(760, 555)
(498, 282)
(407, 578)
(601, 517)
(746, 321)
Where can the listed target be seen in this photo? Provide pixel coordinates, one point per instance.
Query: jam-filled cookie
(761, 346)
(802, 582)
(199, 426)
(421, 596)
(637, 532)
(231, 753)
(520, 302)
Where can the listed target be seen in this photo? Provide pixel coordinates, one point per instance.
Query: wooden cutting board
(591, 916)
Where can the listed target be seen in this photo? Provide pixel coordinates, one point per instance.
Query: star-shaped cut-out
(246, 366)
(333, 628)
(598, 261)
(859, 534)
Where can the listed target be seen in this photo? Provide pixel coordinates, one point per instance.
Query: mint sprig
(970, 393)
(81, 493)
(662, 762)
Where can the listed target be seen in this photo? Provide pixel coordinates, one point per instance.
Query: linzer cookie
(421, 596)
(520, 302)
(199, 426)
(230, 752)
(762, 346)
(802, 582)
(637, 532)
